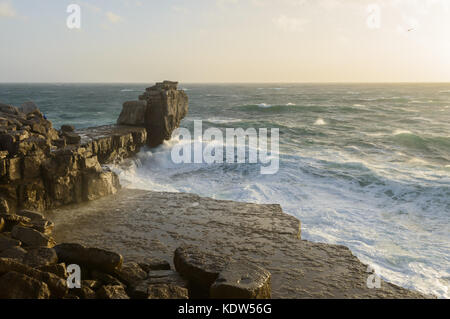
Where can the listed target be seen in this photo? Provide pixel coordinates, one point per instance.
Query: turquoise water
(366, 166)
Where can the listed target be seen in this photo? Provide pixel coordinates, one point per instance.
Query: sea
(361, 165)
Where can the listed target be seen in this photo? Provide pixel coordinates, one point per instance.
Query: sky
(226, 41)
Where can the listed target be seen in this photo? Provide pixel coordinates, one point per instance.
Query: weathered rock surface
(31, 237)
(165, 281)
(131, 274)
(200, 268)
(57, 286)
(261, 235)
(160, 109)
(242, 281)
(14, 285)
(40, 257)
(112, 292)
(133, 113)
(93, 258)
(151, 263)
(16, 253)
(7, 243)
(167, 291)
(42, 168)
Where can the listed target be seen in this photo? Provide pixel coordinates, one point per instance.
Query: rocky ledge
(33, 266)
(222, 248)
(42, 168)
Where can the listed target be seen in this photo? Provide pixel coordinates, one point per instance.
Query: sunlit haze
(226, 41)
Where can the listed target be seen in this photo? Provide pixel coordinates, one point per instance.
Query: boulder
(40, 257)
(97, 185)
(9, 109)
(169, 291)
(28, 107)
(72, 138)
(12, 220)
(200, 268)
(59, 270)
(92, 258)
(67, 128)
(4, 207)
(158, 277)
(38, 221)
(112, 292)
(131, 274)
(31, 237)
(84, 293)
(16, 253)
(7, 242)
(151, 263)
(106, 279)
(242, 281)
(91, 284)
(57, 286)
(14, 285)
(133, 113)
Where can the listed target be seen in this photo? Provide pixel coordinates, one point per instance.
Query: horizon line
(226, 82)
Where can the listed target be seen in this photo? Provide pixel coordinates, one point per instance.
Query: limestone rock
(15, 285)
(242, 281)
(2, 224)
(14, 220)
(31, 237)
(91, 284)
(98, 185)
(84, 293)
(160, 110)
(150, 264)
(7, 243)
(59, 270)
(67, 128)
(72, 138)
(4, 207)
(16, 253)
(131, 274)
(40, 257)
(112, 292)
(133, 113)
(106, 279)
(38, 221)
(93, 258)
(158, 277)
(57, 286)
(28, 107)
(200, 268)
(163, 291)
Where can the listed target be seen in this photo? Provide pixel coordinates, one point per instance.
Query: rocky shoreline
(206, 248)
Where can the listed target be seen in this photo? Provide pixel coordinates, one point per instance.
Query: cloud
(7, 10)
(290, 24)
(113, 18)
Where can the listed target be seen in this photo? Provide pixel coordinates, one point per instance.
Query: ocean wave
(129, 90)
(217, 120)
(320, 121)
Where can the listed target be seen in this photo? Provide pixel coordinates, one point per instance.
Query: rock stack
(160, 110)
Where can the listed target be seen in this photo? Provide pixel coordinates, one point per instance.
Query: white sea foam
(320, 121)
(332, 210)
